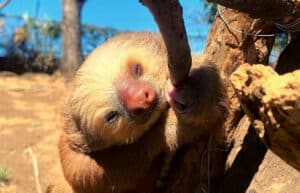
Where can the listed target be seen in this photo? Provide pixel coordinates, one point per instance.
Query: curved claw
(174, 97)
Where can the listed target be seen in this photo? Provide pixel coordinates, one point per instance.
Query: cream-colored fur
(126, 155)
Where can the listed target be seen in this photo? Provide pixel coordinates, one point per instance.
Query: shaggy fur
(103, 149)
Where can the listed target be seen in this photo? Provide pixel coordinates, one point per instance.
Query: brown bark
(254, 169)
(250, 166)
(268, 9)
(272, 103)
(243, 160)
(235, 38)
(229, 48)
(71, 46)
(297, 3)
(168, 16)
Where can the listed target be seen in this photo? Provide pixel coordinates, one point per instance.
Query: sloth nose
(138, 97)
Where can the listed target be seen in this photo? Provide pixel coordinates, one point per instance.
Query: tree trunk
(71, 46)
(233, 41)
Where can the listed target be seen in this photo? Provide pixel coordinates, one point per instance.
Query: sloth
(128, 129)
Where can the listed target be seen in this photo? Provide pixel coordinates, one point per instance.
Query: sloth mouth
(141, 116)
(151, 114)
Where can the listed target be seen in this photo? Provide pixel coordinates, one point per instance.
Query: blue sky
(120, 14)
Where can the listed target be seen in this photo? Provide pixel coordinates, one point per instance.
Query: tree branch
(230, 48)
(267, 9)
(272, 103)
(168, 16)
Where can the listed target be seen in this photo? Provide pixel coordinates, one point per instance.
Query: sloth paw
(176, 98)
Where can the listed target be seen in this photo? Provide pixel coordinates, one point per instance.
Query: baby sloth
(127, 129)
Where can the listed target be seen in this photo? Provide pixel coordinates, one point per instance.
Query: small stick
(35, 169)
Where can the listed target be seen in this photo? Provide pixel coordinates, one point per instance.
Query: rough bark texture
(168, 16)
(230, 48)
(247, 148)
(250, 167)
(254, 169)
(233, 40)
(272, 103)
(71, 46)
(274, 176)
(268, 9)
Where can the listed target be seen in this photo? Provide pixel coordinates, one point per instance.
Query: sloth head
(118, 92)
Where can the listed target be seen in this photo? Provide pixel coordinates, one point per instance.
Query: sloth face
(118, 93)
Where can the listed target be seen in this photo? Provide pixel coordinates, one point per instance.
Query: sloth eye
(137, 69)
(111, 116)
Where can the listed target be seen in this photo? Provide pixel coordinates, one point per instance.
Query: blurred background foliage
(31, 44)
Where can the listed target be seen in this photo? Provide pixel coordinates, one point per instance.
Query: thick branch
(230, 44)
(168, 16)
(273, 104)
(234, 39)
(267, 9)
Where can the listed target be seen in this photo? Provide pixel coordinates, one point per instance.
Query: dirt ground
(29, 106)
